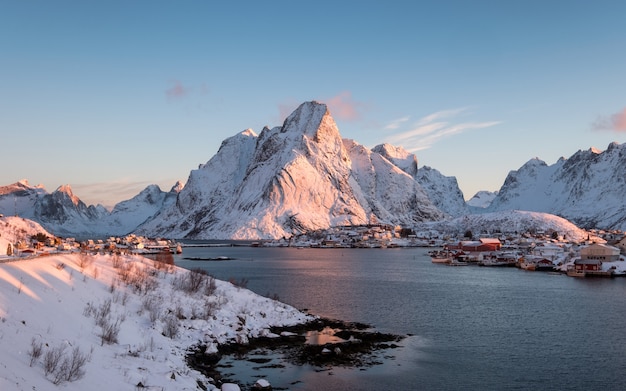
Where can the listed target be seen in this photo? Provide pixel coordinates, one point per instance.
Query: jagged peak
(178, 186)
(249, 133)
(153, 188)
(595, 150)
(313, 120)
(613, 145)
(535, 162)
(392, 150)
(67, 190)
(399, 156)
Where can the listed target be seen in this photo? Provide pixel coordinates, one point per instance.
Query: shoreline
(321, 343)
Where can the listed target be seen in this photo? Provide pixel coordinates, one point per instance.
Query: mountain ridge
(304, 176)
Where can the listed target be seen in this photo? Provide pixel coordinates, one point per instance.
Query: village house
(481, 245)
(601, 252)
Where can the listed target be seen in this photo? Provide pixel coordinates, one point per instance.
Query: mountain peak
(313, 120)
(67, 190)
(399, 156)
(178, 186)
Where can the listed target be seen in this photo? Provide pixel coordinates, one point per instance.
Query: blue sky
(112, 96)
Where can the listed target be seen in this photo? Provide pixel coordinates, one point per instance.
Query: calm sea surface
(472, 328)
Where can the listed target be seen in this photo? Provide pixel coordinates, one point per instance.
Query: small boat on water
(441, 256)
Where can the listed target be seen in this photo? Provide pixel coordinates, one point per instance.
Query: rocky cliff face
(443, 191)
(290, 179)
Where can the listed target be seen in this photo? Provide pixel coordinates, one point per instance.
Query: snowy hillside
(17, 229)
(508, 222)
(587, 189)
(298, 177)
(88, 322)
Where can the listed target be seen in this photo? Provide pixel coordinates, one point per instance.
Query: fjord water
(470, 327)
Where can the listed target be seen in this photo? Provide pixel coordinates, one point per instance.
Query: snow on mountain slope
(388, 192)
(588, 188)
(482, 199)
(129, 214)
(20, 198)
(64, 214)
(513, 221)
(15, 229)
(399, 156)
(442, 191)
(288, 180)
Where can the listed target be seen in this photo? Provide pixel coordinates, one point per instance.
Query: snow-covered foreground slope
(127, 321)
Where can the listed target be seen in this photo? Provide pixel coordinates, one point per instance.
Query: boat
(441, 256)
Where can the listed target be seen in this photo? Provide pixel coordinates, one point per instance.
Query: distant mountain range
(304, 176)
(64, 214)
(588, 189)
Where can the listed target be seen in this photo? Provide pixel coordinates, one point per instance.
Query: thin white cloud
(395, 124)
(443, 114)
(430, 129)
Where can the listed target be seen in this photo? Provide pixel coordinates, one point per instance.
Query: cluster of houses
(40, 246)
(354, 236)
(575, 259)
(537, 251)
(529, 251)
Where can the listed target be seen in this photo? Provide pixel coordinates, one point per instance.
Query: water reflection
(322, 337)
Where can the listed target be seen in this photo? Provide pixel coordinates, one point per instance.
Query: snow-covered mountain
(64, 214)
(443, 191)
(482, 199)
(289, 179)
(587, 189)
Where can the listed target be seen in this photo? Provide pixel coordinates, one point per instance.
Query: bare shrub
(36, 348)
(110, 331)
(164, 258)
(138, 278)
(103, 313)
(71, 367)
(116, 261)
(179, 312)
(52, 359)
(241, 283)
(152, 306)
(273, 296)
(209, 309)
(210, 286)
(84, 260)
(113, 286)
(89, 309)
(195, 280)
(170, 326)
